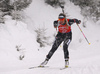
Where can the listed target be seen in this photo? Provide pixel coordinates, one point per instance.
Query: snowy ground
(84, 58)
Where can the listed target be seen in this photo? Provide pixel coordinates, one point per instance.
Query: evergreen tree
(5, 5)
(21, 4)
(13, 7)
(42, 39)
(90, 8)
(55, 3)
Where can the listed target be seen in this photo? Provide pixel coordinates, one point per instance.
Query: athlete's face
(62, 21)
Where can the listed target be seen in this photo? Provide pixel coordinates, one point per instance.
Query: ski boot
(44, 62)
(66, 63)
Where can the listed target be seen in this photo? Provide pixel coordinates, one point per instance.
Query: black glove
(55, 24)
(77, 21)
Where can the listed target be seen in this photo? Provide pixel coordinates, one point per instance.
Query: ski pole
(83, 34)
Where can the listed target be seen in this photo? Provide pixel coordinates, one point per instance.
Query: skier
(64, 35)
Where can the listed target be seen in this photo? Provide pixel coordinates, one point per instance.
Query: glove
(77, 21)
(55, 24)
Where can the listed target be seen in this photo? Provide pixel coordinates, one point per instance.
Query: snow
(84, 58)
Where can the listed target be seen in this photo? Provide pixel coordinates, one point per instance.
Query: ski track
(86, 69)
(89, 69)
(88, 65)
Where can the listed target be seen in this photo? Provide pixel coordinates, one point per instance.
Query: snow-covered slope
(84, 58)
(12, 35)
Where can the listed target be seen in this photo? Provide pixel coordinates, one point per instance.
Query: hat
(61, 16)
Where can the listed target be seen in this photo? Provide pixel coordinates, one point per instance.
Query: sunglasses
(61, 19)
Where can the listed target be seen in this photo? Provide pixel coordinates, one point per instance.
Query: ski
(64, 68)
(38, 67)
(49, 67)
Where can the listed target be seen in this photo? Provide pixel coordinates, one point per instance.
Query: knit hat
(61, 16)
